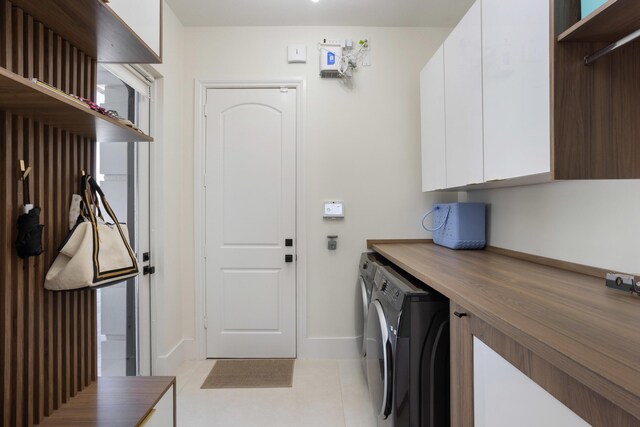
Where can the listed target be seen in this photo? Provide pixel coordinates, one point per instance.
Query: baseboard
(169, 363)
(330, 348)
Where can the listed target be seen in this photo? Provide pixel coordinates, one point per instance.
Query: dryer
(369, 263)
(407, 352)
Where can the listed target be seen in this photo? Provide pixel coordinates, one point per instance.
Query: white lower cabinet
(162, 414)
(463, 100)
(505, 397)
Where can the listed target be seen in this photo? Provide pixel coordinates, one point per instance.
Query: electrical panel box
(330, 58)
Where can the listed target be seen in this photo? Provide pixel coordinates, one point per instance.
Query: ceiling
(376, 13)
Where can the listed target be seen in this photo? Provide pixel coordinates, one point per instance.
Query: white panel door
(505, 397)
(463, 100)
(250, 211)
(434, 172)
(515, 56)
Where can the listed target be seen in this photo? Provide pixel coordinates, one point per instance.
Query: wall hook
(24, 171)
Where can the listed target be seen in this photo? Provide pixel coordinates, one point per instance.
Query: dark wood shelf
(21, 96)
(94, 28)
(114, 402)
(609, 23)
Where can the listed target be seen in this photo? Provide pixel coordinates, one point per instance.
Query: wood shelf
(609, 23)
(94, 28)
(21, 96)
(114, 402)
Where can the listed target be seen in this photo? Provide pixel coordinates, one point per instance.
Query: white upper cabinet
(144, 18)
(433, 123)
(516, 91)
(463, 101)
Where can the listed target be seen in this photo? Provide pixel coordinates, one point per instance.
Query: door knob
(458, 314)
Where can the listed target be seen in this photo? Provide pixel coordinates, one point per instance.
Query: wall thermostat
(333, 210)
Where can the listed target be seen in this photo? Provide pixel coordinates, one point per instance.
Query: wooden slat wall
(47, 339)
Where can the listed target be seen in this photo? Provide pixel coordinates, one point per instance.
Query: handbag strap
(443, 222)
(92, 195)
(89, 185)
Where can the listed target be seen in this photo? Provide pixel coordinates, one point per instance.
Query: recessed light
(315, 1)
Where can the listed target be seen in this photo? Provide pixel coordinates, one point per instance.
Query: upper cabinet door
(463, 100)
(433, 123)
(144, 17)
(515, 49)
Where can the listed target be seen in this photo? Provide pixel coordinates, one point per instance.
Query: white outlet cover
(297, 53)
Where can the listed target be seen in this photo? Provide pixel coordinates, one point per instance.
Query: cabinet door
(163, 414)
(505, 397)
(463, 100)
(433, 123)
(143, 17)
(516, 91)
(461, 367)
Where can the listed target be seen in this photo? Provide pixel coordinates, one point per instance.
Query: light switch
(297, 53)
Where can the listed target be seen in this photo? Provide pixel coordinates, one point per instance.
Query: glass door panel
(119, 175)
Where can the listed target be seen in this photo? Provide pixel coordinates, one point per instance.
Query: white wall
(361, 145)
(587, 222)
(170, 206)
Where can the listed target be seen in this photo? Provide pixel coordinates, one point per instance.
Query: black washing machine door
(379, 360)
(365, 308)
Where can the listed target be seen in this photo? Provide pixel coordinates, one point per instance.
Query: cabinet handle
(458, 314)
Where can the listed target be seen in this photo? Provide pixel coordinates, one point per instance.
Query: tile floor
(325, 393)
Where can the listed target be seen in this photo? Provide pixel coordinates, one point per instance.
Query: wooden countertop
(113, 402)
(570, 319)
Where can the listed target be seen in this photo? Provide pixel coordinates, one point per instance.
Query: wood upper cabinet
(595, 108)
(463, 101)
(119, 31)
(433, 123)
(516, 95)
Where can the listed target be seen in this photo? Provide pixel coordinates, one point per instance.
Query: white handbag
(95, 252)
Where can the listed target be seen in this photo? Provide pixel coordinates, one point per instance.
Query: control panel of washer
(392, 293)
(390, 290)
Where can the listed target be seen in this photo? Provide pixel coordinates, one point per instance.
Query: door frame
(201, 87)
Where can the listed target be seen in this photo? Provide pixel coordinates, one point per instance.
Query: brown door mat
(250, 373)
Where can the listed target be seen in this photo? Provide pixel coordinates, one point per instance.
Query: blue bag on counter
(458, 225)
